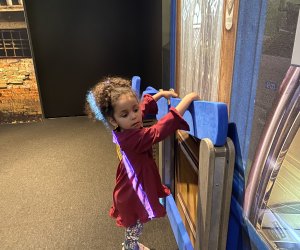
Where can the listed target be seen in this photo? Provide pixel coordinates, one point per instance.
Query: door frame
(250, 28)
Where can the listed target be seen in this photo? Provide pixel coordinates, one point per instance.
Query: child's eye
(136, 110)
(124, 115)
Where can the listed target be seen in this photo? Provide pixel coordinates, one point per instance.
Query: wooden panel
(186, 183)
(190, 143)
(186, 218)
(230, 156)
(228, 50)
(203, 184)
(205, 194)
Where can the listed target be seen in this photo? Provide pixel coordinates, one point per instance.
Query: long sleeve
(141, 140)
(148, 106)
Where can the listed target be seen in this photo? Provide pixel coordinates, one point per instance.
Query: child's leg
(132, 235)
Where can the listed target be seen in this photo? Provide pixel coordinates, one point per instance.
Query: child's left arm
(165, 93)
(148, 104)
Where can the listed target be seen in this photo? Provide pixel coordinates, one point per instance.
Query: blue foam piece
(136, 85)
(187, 116)
(211, 121)
(163, 108)
(206, 120)
(181, 236)
(150, 91)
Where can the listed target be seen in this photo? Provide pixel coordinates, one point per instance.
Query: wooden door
(205, 45)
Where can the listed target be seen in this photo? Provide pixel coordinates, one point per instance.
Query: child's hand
(168, 94)
(186, 101)
(193, 96)
(164, 93)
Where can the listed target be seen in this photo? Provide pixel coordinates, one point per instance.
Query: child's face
(127, 113)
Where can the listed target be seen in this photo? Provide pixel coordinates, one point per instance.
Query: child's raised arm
(186, 101)
(165, 93)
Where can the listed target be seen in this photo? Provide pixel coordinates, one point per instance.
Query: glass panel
(278, 42)
(3, 3)
(15, 35)
(10, 52)
(16, 39)
(281, 219)
(6, 35)
(200, 44)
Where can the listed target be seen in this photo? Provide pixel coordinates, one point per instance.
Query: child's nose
(133, 115)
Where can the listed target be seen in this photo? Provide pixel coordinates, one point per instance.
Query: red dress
(138, 184)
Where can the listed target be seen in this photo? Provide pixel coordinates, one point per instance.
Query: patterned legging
(132, 235)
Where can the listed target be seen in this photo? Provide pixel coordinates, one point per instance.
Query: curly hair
(106, 93)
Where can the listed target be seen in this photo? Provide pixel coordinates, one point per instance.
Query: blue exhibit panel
(187, 116)
(206, 119)
(181, 236)
(150, 91)
(163, 108)
(211, 121)
(136, 85)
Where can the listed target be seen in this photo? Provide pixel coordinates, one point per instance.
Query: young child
(138, 185)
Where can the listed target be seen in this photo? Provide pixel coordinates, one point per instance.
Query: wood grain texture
(228, 179)
(206, 171)
(227, 56)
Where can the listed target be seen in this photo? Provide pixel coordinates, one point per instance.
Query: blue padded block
(206, 120)
(179, 231)
(187, 116)
(163, 108)
(150, 91)
(136, 85)
(211, 121)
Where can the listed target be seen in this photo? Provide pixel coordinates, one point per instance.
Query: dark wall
(151, 45)
(75, 43)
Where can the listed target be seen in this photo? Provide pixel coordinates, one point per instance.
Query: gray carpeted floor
(56, 183)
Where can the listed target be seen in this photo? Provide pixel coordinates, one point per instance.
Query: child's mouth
(136, 125)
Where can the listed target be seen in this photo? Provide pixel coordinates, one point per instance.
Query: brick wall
(19, 97)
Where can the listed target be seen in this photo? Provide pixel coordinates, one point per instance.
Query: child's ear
(113, 122)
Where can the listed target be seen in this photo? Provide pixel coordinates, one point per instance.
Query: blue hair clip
(97, 112)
